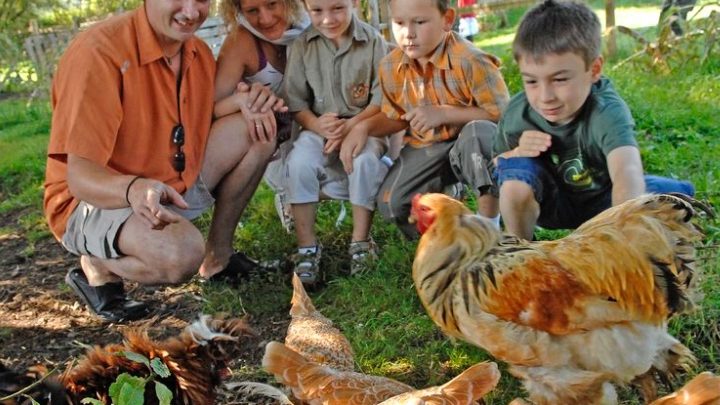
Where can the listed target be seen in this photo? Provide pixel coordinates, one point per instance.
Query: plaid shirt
(457, 74)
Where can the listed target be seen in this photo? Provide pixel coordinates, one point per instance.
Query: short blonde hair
(229, 10)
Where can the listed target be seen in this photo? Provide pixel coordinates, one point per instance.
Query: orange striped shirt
(457, 74)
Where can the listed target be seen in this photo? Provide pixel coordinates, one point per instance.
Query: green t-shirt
(578, 154)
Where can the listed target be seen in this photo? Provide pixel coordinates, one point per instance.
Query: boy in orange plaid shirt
(447, 95)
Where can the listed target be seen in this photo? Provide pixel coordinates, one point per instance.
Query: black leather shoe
(107, 301)
(239, 268)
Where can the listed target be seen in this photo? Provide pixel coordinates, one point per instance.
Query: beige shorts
(92, 231)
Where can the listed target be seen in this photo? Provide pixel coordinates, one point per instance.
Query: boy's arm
(378, 125)
(626, 173)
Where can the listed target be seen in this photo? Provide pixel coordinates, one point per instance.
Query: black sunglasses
(178, 139)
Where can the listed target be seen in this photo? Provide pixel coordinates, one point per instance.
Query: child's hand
(351, 147)
(424, 119)
(332, 145)
(532, 144)
(331, 127)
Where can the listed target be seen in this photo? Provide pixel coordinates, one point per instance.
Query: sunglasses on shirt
(178, 139)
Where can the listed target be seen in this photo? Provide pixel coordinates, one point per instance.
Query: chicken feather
(196, 359)
(611, 285)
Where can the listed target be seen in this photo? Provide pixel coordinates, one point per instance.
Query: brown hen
(570, 316)
(465, 389)
(313, 335)
(704, 389)
(316, 384)
(196, 359)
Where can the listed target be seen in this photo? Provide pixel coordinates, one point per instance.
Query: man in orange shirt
(132, 157)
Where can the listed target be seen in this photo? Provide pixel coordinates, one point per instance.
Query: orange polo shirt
(115, 102)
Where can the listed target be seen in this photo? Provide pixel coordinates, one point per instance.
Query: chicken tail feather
(704, 389)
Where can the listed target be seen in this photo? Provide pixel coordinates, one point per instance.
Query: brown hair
(558, 27)
(442, 5)
(229, 10)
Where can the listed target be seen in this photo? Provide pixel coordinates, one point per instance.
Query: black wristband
(127, 190)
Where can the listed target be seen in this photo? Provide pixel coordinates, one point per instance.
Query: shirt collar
(149, 48)
(440, 57)
(357, 33)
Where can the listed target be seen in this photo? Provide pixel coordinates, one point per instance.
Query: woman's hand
(258, 105)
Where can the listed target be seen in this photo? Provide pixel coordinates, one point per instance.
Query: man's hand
(532, 144)
(351, 147)
(423, 120)
(147, 198)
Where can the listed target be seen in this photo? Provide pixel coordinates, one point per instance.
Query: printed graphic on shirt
(572, 170)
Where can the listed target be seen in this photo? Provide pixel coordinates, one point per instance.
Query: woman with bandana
(254, 53)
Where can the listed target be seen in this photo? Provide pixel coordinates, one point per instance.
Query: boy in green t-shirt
(565, 148)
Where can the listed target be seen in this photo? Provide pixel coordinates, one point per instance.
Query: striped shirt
(457, 74)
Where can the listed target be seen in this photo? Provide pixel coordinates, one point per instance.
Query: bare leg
(168, 256)
(488, 206)
(362, 220)
(233, 167)
(304, 215)
(518, 208)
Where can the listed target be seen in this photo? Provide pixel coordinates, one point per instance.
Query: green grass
(677, 122)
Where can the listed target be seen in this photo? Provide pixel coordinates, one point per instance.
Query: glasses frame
(177, 135)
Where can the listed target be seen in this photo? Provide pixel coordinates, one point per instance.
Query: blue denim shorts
(561, 209)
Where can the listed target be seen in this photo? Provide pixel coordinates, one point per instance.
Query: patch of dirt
(42, 321)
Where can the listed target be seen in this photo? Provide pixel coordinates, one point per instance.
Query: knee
(516, 194)
(263, 151)
(181, 261)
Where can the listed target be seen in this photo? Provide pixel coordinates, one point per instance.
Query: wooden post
(610, 27)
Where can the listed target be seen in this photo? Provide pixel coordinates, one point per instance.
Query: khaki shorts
(92, 231)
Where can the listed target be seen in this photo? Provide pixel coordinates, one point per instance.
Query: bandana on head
(287, 37)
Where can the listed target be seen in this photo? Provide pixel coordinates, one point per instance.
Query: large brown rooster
(196, 359)
(313, 335)
(570, 316)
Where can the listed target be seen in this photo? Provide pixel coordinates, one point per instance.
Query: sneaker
(307, 266)
(362, 254)
(283, 210)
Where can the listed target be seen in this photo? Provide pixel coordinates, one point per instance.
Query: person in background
(565, 147)
(332, 86)
(253, 52)
(132, 158)
(468, 25)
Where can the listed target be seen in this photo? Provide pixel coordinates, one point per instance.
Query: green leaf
(92, 401)
(131, 395)
(159, 368)
(122, 390)
(164, 395)
(138, 358)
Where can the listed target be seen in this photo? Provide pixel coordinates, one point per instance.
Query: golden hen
(704, 389)
(570, 316)
(313, 335)
(196, 359)
(467, 388)
(316, 384)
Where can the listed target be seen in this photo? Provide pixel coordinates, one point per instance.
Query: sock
(495, 220)
(307, 250)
